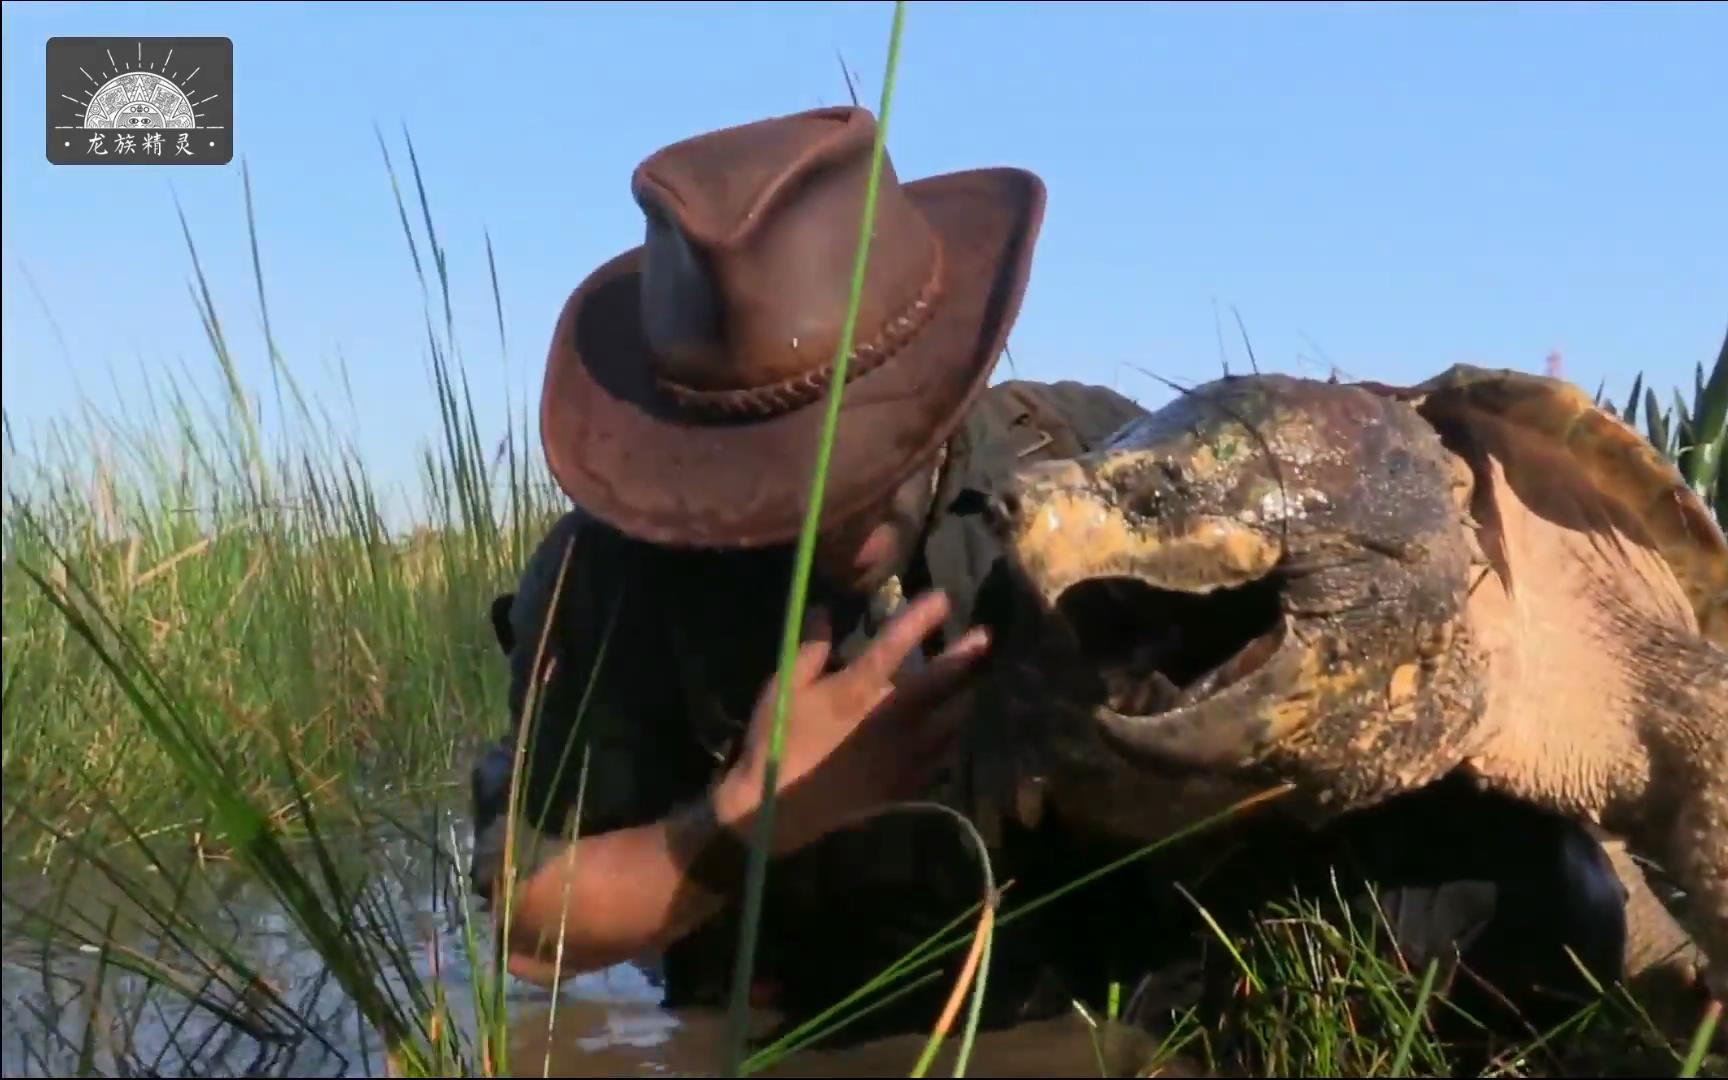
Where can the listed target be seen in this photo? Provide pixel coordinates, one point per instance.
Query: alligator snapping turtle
(1360, 589)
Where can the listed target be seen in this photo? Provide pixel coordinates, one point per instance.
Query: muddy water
(593, 1039)
(603, 1024)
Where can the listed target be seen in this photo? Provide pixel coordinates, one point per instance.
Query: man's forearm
(617, 895)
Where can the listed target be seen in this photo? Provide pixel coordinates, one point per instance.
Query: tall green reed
(738, 1012)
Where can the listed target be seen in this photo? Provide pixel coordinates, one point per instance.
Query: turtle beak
(1064, 522)
(1172, 616)
(1215, 735)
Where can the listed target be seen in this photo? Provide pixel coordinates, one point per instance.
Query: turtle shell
(1618, 461)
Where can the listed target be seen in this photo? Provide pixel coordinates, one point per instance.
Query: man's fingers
(817, 625)
(807, 665)
(969, 649)
(910, 626)
(943, 675)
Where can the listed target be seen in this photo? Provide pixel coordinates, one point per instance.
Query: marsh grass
(238, 704)
(224, 669)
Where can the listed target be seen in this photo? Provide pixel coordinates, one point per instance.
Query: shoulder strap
(1076, 416)
(1011, 423)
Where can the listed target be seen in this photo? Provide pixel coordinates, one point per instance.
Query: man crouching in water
(684, 394)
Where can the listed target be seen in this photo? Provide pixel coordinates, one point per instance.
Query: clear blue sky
(1389, 188)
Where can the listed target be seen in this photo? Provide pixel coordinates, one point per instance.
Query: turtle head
(1264, 578)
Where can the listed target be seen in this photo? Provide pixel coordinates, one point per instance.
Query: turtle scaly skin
(1362, 589)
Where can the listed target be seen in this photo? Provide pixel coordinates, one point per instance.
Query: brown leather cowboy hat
(687, 381)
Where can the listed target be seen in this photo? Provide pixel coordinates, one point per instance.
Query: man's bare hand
(858, 738)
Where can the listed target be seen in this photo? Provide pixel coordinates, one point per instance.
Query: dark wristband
(714, 857)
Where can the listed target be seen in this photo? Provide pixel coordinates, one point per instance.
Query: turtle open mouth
(1161, 649)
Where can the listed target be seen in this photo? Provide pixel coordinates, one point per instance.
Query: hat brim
(619, 450)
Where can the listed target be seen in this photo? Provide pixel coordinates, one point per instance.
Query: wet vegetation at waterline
(239, 707)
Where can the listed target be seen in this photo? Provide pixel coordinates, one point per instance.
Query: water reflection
(607, 1023)
(580, 1036)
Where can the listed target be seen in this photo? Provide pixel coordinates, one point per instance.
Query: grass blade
(743, 968)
